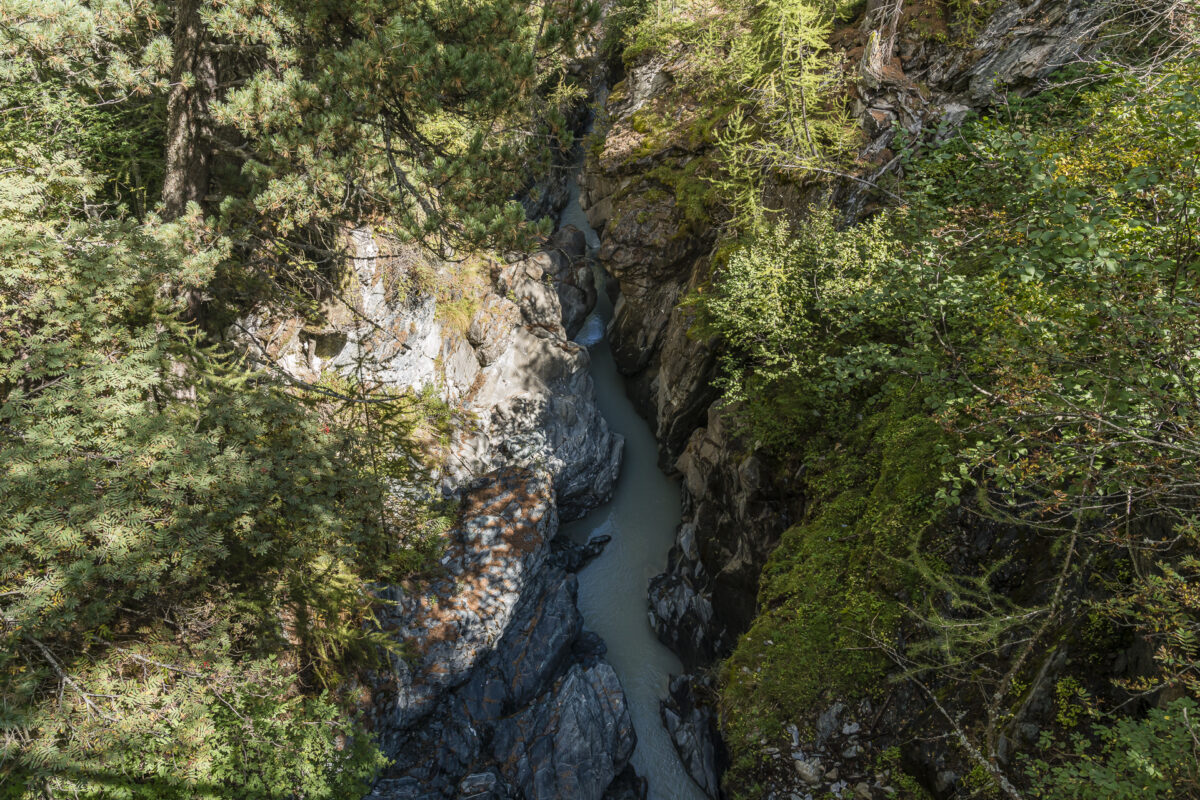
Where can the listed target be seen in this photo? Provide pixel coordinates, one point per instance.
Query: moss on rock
(836, 579)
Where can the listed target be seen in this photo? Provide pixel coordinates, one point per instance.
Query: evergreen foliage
(185, 572)
(284, 121)
(770, 94)
(164, 505)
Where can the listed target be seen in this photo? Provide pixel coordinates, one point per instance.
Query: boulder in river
(506, 695)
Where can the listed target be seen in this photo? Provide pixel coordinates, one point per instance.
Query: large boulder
(535, 405)
(542, 716)
(449, 624)
(693, 729)
(574, 744)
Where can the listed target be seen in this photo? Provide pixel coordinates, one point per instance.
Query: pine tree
(166, 507)
(283, 120)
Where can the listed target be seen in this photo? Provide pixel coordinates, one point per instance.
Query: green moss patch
(835, 578)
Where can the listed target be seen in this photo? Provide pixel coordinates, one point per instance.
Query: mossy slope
(836, 579)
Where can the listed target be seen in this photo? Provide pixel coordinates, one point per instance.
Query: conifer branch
(987, 763)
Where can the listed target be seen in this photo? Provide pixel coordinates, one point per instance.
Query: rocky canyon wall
(497, 691)
(644, 191)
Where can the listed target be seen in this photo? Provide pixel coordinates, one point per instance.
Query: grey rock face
(521, 385)
(680, 613)
(492, 328)
(483, 786)
(928, 87)
(575, 744)
(656, 256)
(535, 405)
(541, 642)
(682, 616)
(735, 507)
(501, 694)
(670, 374)
(542, 715)
(491, 557)
(572, 278)
(693, 730)
(1023, 43)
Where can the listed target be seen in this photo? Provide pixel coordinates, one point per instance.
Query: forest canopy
(189, 539)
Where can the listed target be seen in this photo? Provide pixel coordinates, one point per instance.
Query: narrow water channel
(641, 519)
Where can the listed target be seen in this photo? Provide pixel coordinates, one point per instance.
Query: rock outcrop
(926, 85)
(693, 729)
(493, 342)
(536, 714)
(656, 256)
(449, 624)
(495, 690)
(534, 403)
(735, 506)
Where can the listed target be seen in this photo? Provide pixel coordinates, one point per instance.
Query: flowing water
(641, 519)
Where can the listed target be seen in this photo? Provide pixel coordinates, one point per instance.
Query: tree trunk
(193, 85)
(189, 149)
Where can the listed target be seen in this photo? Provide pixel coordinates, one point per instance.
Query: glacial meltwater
(641, 519)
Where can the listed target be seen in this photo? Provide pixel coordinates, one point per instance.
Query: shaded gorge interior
(490, 400)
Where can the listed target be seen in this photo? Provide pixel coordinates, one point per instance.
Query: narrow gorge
(600, 400)
(535, 671)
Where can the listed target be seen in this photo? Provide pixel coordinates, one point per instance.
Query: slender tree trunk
(193, 85)
(189, 149)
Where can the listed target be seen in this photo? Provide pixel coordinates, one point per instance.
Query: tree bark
(193, 86)
(189, 126)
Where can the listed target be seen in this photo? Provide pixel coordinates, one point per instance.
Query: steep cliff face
(644, 190)
(496, 691)
(735, 506)
(655, 245)
(641, 192)
(500, 692)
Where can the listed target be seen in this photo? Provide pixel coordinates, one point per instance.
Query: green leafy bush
(779, 304)
(1035, 295)
(1127, 759)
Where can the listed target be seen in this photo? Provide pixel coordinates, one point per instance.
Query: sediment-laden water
(641, 519)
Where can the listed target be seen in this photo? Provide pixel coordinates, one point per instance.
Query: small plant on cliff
(1152, 757)
(795, 121)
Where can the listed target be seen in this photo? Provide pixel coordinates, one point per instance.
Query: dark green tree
(188, 542)
(285, 120)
